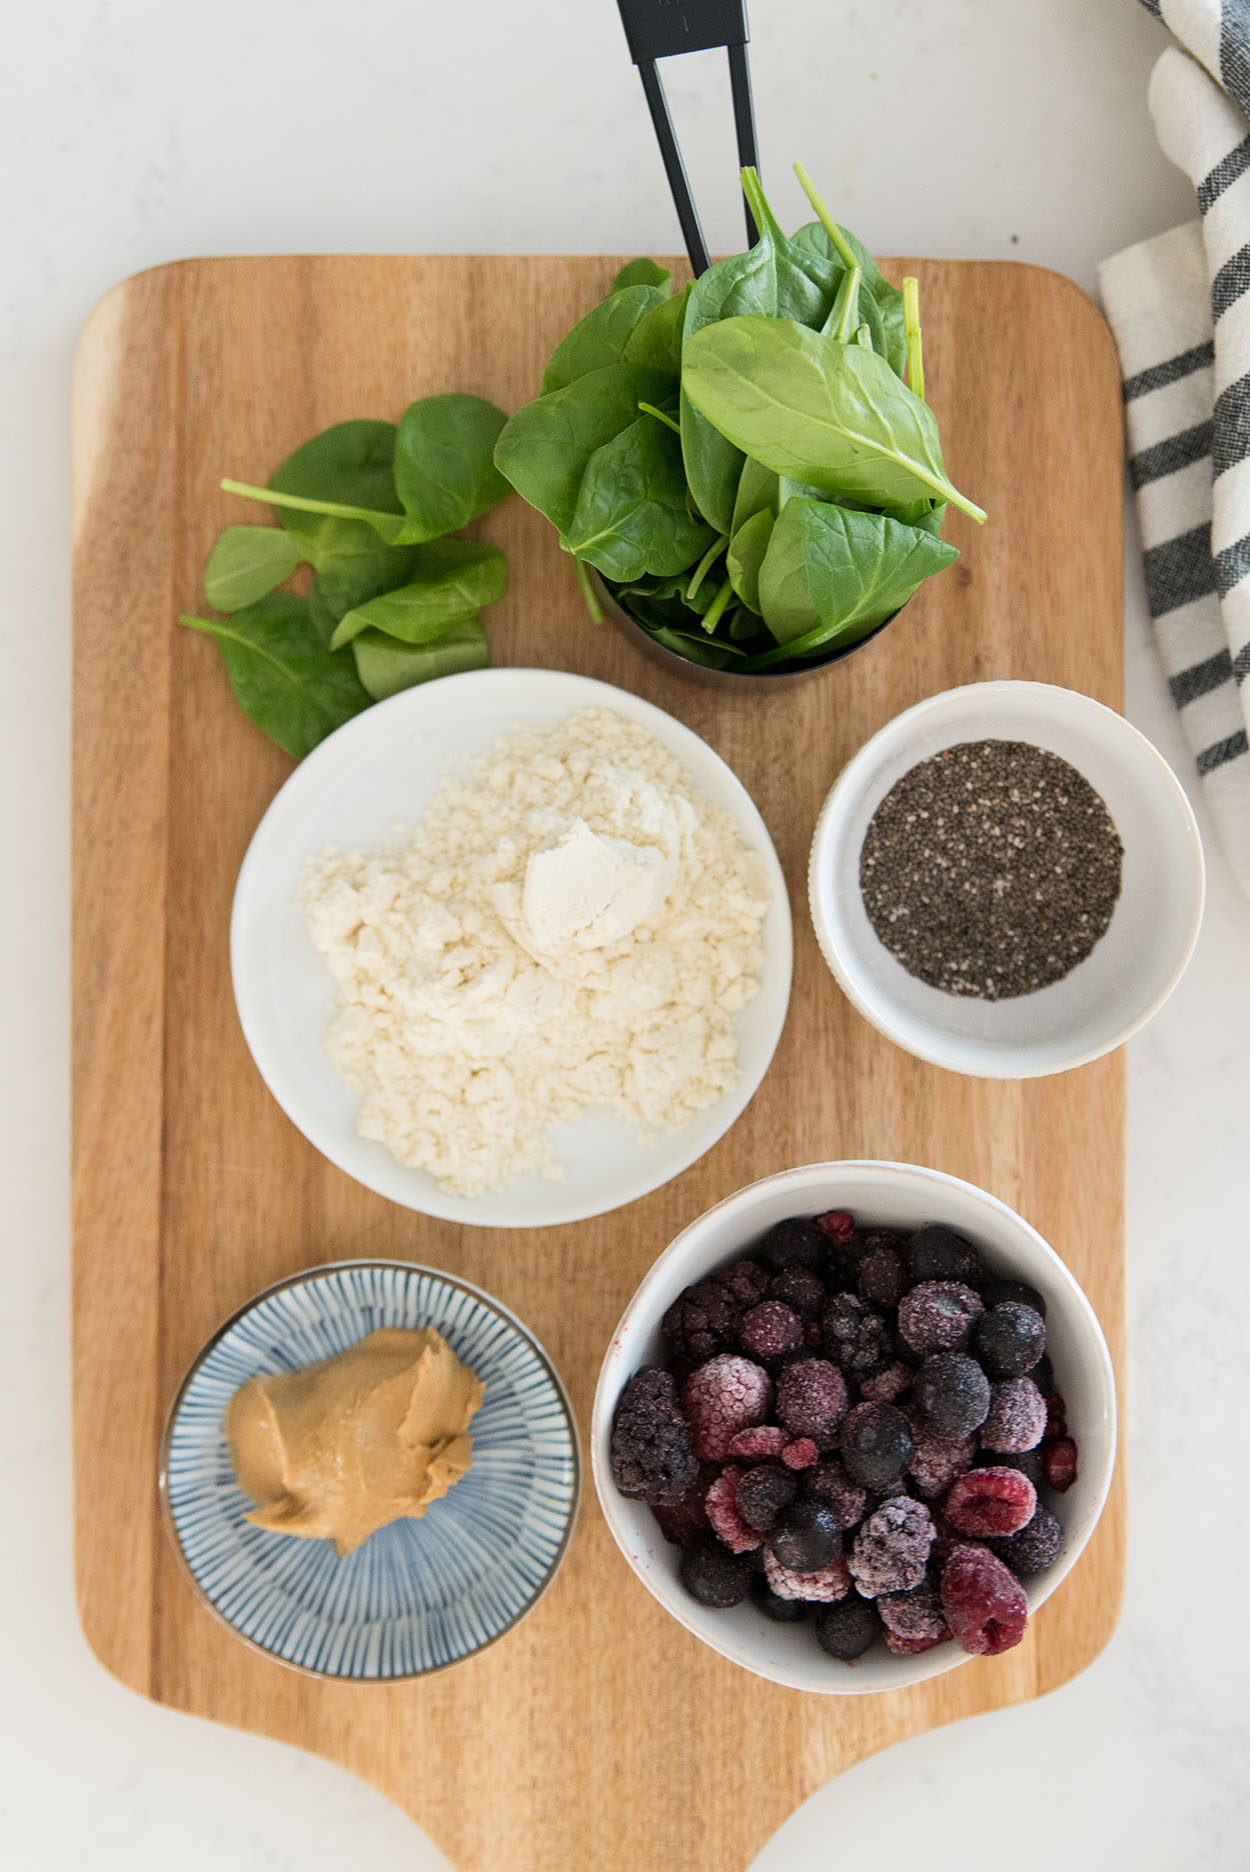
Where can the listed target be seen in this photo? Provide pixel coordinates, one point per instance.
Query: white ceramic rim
(828, 830)
(803, 1179)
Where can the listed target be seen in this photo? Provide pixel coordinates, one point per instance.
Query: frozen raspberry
(989, 1501)
(1009, 1340)
(763, 1493)
(1056, 1416)
(713, 1575)
(914, 1615)
(799, 1289)
(829, 1483)
(846, 1631)
(821, 1587)
(650, 1452)
(800, 1454)
(770, 1330)
(722, 1512)
(996, 1292)
(1060, 1464)
(759, 1443)
(938, 1316)
(1016, 1418)
(784, 1611)
(876, 1445)
(812, 1400)
(796, 1242)
(724, 1396)
(880, 1277)
(936, 1461)
(806, 1538)
(939, 1254)
(952, 1394)
(891, 1550)
(909, 1647)
(984, 1603)
(888, 1384)
(679, 1522)
(706, 1318)
(1034, 1548)
(837, 1225)
(856, 1338)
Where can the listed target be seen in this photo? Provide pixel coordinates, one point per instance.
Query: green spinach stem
(911, 331)
(305, 505)
(718, 607)
(848, 317)
(765, 220)
(649, 409)
(706, 563)
(588, 590)
(845, 250)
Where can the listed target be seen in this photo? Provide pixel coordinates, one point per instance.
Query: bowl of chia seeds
(1007, 880)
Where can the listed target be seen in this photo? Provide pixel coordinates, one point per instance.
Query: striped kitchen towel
(1179, 306)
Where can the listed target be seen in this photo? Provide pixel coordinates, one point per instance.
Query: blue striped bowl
(418, 1595)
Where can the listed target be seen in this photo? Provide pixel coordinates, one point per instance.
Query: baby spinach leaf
(600, 338)
(544, 449)
(385, 667)
(351, 577)
(831, 414)
(655, 341)
(445, 474)
(642, 272)
(631, 515)
(785, 599)
(351, 467)
(451, 579)
(758, 487)
(285, 679)
(746, 555)
(711, 652)
(881, 304)
(742, 283)
(247, 562)
(832, 574)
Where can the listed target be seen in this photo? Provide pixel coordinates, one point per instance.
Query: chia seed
(991, 869)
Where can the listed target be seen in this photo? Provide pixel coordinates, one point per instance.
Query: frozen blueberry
(829, 1483)
(1009, 1339)
(847, 1630)
(812, 1400)
(713, 1575)
(1016, 1419)
(952, 1394)
(1034, 1548)
(806, 1538)
(996, 1292)
(771, 1330)
(938, 1316)
(876, 1445)
(939, 1254)
(914, 1614)
(799, 1289)
(765, 1492)
(796, 1242)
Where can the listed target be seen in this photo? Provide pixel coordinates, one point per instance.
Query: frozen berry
(706, 1318)
(990, 1501)
(880, 1276)
(764, 1492)
(822, 1587)
(1030, 1462)
(938, 1316)
(953, 1394)
(722, 1511)
(800, 1454)
(829, 1483)
(812, 1400)
(1016, 1417)
(910, 1647)
(876, 1445)
(651, 1455)
(936, 1461)
(806, 1538)
(837, 1225)
(758, 1443)
(846, 1631)
(888, 1384)
(891, 1550)
(1043, 1375)
(996, 1292)
(796, 1242)
(1056, 1415)
(770, 1330)
(983, 1601)
(679, 1522)
(856, 1337)
(914, 1615)
(724, 1396)
(1009, 1340)
(773, 1606)
(713, 1575)
(799, 1289)
(1060, 1464)
(939, 1254)
(1034, 1548)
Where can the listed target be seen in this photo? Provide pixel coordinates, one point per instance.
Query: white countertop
(136, 131)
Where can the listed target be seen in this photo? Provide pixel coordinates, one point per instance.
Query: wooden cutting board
(598, 1735)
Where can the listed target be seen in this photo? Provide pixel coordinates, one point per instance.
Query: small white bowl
(1129, 974)
(903, 1196)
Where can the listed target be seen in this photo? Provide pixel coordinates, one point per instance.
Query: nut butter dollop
(345, 1447)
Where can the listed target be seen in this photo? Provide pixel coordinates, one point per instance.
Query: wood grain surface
(598, 1735)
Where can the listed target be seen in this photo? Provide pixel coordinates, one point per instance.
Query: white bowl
(1129, 974)
(383, 768)
(903, 1196)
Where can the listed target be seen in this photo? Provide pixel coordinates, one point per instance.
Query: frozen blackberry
(812, 1400)
(822, 1587)
(990, 1501)
(855, 1337)
(706, 1318)
(771, 1330)
(938, 1316)
(881, 1279)
(952, 1394)
(796, 1242)
(983, 1601)
(891, 1549)
(915, 1614)
(799, 1289)
(650, 1452)
(784, 1611)
(876, 1446)
(765, 1492)
(713, 1575)
(1016, 1419)
(829, 1483)
(806, 1538)
(1009, 1339)
(997, 1292)
(1034, 1548)
(847, 1630)
(724, 1396)
(939, 1254)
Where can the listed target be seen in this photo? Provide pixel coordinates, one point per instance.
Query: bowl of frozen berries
(856, 1425)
